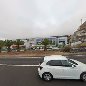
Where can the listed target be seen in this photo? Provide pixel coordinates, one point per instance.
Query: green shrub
(66, 48)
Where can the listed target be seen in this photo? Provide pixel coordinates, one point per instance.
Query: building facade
(55, 41)
(61, 41)
(79, 36)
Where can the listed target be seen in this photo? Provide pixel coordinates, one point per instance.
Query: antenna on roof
(81, 21)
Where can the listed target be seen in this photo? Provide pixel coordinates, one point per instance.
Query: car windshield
(71, 61)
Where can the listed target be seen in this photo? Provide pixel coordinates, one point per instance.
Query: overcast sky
(40, 18)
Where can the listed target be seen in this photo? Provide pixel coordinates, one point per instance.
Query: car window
(66, 63)
(71, 61)
(54, 63)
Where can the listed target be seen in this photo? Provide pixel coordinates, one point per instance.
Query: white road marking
(20, 65)
(3, 64)
(79, 55)
(25, 65)
(30, 57)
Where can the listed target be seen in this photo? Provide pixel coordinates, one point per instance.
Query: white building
(29, 42)
(79, 36)
(56, 41)
(62, 40)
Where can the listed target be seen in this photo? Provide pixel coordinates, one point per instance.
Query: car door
(69, 72)
(55, 68)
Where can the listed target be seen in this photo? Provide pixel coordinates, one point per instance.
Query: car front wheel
(47, 76)
(83, 76)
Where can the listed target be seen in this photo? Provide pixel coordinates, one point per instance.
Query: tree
(18, 42)
(82, 44)
(8, 43)
(67, 48)
(1, 45)
(45, 42)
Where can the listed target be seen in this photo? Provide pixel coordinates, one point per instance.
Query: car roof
(54, 57)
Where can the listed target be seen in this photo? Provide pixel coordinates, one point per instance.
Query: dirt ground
(37, 53)
(31, 53)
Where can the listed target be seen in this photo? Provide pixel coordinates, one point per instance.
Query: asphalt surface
(12, 75)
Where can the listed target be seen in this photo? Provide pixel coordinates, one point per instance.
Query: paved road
(34, 60)
(27, 76)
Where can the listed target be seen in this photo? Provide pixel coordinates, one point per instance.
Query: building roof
(60, 36)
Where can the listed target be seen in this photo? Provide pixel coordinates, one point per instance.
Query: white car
(60, 67)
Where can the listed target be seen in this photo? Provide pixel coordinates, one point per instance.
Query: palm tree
(18, 42)
(1, 45)
(8, 43)
(45, 42)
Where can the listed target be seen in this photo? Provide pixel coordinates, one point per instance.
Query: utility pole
(81, 21)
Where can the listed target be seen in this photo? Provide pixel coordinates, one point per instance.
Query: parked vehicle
(55, 48)
(60, 67)
(4, 49)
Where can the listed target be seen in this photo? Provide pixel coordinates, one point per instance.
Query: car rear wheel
(47, 76)
(83, 76)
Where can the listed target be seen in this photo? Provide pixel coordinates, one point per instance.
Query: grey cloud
(37, 18)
